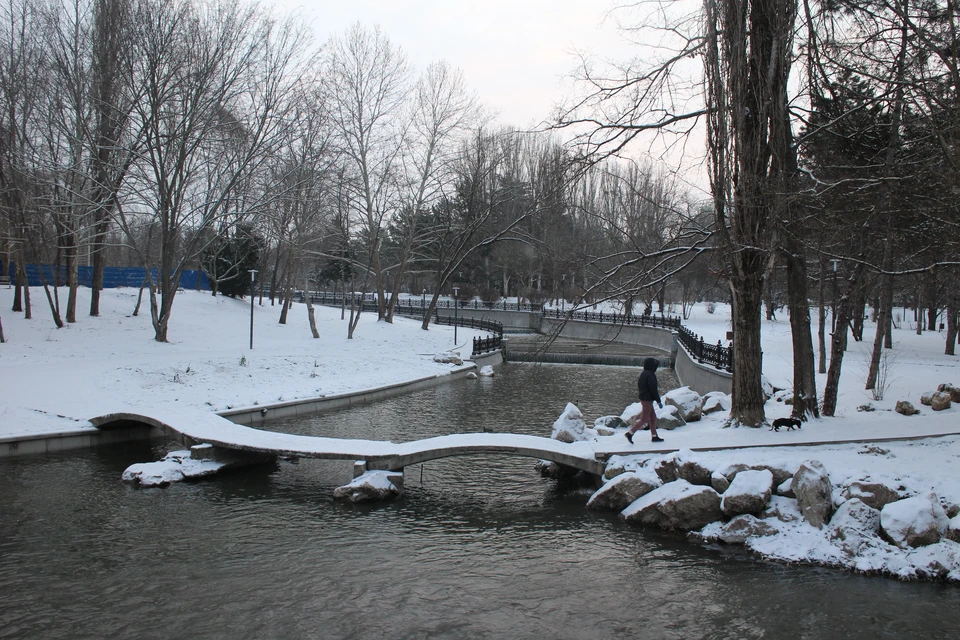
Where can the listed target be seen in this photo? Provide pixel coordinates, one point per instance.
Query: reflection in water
(481, 548)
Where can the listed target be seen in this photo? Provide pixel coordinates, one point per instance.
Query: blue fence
(113, 277)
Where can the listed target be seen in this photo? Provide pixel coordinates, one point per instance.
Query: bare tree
(368, 85)
(216, 86)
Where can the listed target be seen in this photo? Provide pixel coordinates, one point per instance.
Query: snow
(750, 483)
(175, 466)
(55, 380)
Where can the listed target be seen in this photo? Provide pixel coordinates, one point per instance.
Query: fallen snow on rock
(569, 427)
(487, 371)
(371, 486)
(175, 466)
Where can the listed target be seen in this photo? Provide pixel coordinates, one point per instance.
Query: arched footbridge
(209, 428)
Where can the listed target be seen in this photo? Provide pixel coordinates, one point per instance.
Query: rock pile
(867, 524)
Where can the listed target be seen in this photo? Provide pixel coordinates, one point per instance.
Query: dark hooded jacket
(647, 383)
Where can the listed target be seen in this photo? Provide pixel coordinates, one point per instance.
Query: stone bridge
(197, 427)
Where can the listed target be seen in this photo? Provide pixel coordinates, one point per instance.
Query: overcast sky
(518, 55)
(514, 54)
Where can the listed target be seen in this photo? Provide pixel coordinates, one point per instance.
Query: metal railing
(660, 322)
(717, 355)
(410, 307)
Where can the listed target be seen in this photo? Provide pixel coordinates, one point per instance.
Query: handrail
(717, 355)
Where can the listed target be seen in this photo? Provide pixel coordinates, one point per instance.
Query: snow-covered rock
(715, 399)
(683, 464)
(940, 401)
(780, 470)
(607, 425)
(914, 522)
(486, 371)
(906, 408)
(620, 464)
(738, 530)
(677, 505)
(370, 486)
(811, 484)
(669, 418)
(748, 493)
(951, 389)
(854, 525)
(687, 401)
(448, 357)
(611, 422)
(872, 493)
(624, 489)
(472, 376)
(174, 467)
(569, 427)
(783, 509)
(953, 529)
(785, 489)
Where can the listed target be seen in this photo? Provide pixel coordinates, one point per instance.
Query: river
(480, 547)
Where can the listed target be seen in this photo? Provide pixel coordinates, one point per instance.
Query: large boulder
(486, 371)
(620, 464)
(684, 465)
(783, 509)
(607, 425)
(906, 408)
(940, 401)
(448, 357)
(716, 401)
(624, 489)
(914, 522)
(811, 485)
(873, 494)
(745, 526)
(854, 525)
(723, 476)
(370, 486)
(687, 401)
(952, 390)
(748, 493)
(953, 529)
(669, 418)
(569, 427)
(677, 505)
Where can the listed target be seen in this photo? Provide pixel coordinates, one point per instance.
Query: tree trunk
(838, 344)
(804, 379)
(311, 317)
(822, 322)
(748, 399)
(952, 308)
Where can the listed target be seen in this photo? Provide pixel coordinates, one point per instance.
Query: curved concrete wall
(663, 339)
(702, 378)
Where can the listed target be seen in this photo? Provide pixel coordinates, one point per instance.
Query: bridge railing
(717, 355)
(661, 322)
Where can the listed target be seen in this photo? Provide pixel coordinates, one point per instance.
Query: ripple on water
(479, 548)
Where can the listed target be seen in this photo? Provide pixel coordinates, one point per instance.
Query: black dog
(789, 423)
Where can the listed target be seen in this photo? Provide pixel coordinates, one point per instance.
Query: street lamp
(455, 291)
(563, 292)
(253, 276)
(423, 300)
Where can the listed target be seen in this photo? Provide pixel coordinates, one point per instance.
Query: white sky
(515, 54)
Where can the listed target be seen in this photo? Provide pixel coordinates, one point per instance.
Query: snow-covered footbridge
(197, 427)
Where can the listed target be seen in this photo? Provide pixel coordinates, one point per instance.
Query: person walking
(649, 393)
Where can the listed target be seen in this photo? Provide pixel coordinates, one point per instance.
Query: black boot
(629, 437)
(656, 439)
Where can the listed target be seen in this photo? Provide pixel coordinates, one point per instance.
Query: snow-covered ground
(54, 380)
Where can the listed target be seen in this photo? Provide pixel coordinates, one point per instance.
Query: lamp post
(423, 299)
(563, 292)
(455, 291)
(253, 276)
